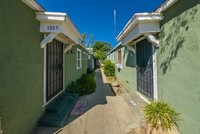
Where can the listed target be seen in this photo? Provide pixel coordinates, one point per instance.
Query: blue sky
(96, 16)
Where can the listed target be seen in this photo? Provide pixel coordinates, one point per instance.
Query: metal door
(144, 58)
(54, 69)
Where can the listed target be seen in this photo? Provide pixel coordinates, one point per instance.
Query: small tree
(100, 49)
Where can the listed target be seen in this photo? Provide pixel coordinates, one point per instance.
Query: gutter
(34, 5)
(167, 4)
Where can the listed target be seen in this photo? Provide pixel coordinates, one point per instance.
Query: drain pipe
(0, 127)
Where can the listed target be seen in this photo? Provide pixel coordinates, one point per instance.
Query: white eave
(140, 24)
(119, 44)
(166, 5)
(34, 5)
(57, 24)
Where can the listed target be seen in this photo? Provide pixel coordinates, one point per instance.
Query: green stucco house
(158, 57)
(39, 56)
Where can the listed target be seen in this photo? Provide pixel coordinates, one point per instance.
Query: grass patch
(85, 85)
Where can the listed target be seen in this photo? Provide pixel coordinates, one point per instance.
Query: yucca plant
(161, 114)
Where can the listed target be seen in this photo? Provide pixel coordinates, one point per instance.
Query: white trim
(54, 22)
(152, 39)
(69, 47)
(78, 67)
(48, 39)
(84, 56)
(138, 18)
(44, 73)
(154, 60)
(34, 5)
(63, 67)
(45, 102)
(114, 48)
(130, 47)
(155, 77)
(166, 5)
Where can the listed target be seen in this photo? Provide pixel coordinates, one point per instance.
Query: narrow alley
(104, 113)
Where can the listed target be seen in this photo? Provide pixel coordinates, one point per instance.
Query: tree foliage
(100, 49)
(109, 68)
(87, 41)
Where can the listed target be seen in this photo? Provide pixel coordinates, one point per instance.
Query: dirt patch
(147, 130)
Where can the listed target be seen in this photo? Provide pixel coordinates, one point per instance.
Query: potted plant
(161, 117)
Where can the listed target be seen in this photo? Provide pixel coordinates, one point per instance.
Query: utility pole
(115, 25)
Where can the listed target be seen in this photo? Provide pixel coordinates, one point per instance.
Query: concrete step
(59, 110)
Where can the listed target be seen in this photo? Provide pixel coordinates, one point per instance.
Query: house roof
(143, 18)
(64, 24)
(34, 5)
(119, 44)
(165, 5)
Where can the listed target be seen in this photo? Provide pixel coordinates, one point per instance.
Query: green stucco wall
(127, 75)
(179, 62)
(21, 68)
(71, 72)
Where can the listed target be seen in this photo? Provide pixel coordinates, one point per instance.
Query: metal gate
(54, 69)
(144, 56)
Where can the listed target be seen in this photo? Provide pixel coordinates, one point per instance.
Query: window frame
(78, 59)
(119, 56)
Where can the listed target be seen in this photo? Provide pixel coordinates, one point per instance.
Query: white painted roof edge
(137, 18)
(115, 47)
(165, 5)
(34, 5)
(57, 16)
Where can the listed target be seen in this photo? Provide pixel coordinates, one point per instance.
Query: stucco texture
(71, 71)
(179, 62)
(127, 75)
(21, 68)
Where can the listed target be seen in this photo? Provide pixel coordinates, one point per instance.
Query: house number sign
(52, 27)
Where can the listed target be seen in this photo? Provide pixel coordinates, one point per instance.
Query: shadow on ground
(97, 98)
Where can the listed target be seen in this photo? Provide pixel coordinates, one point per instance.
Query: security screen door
(144, 54)
(54, 69)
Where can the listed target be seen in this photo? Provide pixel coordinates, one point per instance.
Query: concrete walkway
(105, 112)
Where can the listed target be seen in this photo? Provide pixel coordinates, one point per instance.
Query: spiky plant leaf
(159, 113)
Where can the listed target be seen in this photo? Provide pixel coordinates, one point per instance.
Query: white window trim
(77, 67)
(119, 65)
(84, 56)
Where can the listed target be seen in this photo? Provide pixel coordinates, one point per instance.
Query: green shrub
(85, 85)
(109, 68)
(160, 114)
